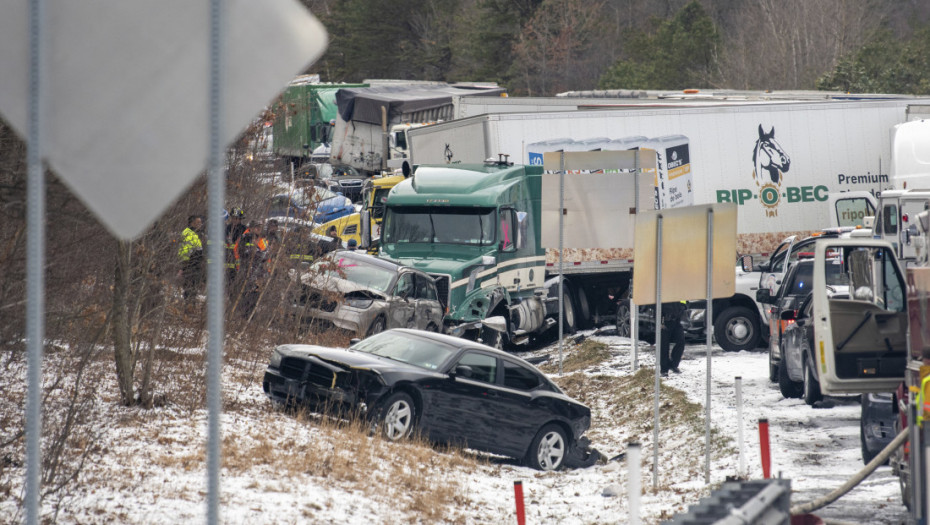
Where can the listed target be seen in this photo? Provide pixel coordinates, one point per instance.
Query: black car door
(516, 409)
(459, 412)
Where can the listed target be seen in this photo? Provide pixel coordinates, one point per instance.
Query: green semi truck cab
(474, 227)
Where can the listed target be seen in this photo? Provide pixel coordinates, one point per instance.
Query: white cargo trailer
(365, 134)
(777, 160)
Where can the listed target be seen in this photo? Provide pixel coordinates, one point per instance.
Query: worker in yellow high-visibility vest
(190, 255)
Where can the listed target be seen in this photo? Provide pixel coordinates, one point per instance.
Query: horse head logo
(769, 156)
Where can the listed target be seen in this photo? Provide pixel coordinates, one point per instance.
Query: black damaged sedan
(450, 390)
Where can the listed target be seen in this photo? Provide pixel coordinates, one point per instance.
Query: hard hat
(237, 213)
(225, 214)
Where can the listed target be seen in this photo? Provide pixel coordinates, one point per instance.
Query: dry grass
(626, 404)
(345, 454)
(582, 356)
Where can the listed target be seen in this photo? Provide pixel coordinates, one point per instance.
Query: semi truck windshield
(474, 226)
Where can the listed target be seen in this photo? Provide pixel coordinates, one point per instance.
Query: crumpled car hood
(335, 284)
(344, 357)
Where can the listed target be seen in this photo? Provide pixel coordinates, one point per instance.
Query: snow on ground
(282, 468)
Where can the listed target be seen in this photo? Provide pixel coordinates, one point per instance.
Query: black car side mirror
(788, 315)
(764, 296)
(462, 371)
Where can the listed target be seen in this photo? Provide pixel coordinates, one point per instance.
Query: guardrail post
(764, 447)
(518, 496)
(634, 480)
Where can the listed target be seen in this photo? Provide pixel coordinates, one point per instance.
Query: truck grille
(442, 287)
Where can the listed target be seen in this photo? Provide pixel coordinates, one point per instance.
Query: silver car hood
(336, 284)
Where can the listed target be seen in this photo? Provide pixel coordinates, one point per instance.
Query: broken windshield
(474, 226)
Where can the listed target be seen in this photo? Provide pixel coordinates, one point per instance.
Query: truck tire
(569, 319)
(584, 309)
(737, 328)
(623, 319)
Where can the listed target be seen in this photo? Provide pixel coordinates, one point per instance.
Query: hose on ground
(853, 481)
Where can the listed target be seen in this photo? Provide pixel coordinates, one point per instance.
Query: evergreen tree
(884, 65)
(678, 53)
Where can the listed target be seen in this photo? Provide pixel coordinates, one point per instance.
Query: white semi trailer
(777, 160)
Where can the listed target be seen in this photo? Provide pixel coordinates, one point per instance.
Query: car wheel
(547, 451)
(623, 319)
(811, 387)
(773, 367)
(397, 417)
(867, 455)
(737, 329)
(904, 478)
(790, 389)
(377, 326)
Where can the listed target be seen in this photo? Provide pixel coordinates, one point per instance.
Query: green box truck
(304, 119)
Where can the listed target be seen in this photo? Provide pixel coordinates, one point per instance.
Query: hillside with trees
(544, 47)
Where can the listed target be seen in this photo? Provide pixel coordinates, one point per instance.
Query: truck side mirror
(365, 228)
(522, 221)
(746, 263)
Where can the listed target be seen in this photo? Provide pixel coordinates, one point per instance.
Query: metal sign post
(708, 327)
(634, 310)
(679, 267)
(561, 249)
(655, 428)
(216, 194)
(35, 262)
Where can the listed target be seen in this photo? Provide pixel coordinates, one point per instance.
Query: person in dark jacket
(335, 243)
(234, 230)
(672, 333)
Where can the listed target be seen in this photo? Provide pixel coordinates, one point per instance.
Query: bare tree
(554, 50)
(788, 45)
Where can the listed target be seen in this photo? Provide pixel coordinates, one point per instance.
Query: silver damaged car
(364, 295)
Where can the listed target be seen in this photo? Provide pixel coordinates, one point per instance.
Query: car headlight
(359, 302)
(275, 361)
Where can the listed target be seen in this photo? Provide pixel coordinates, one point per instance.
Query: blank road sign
(126, 91)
